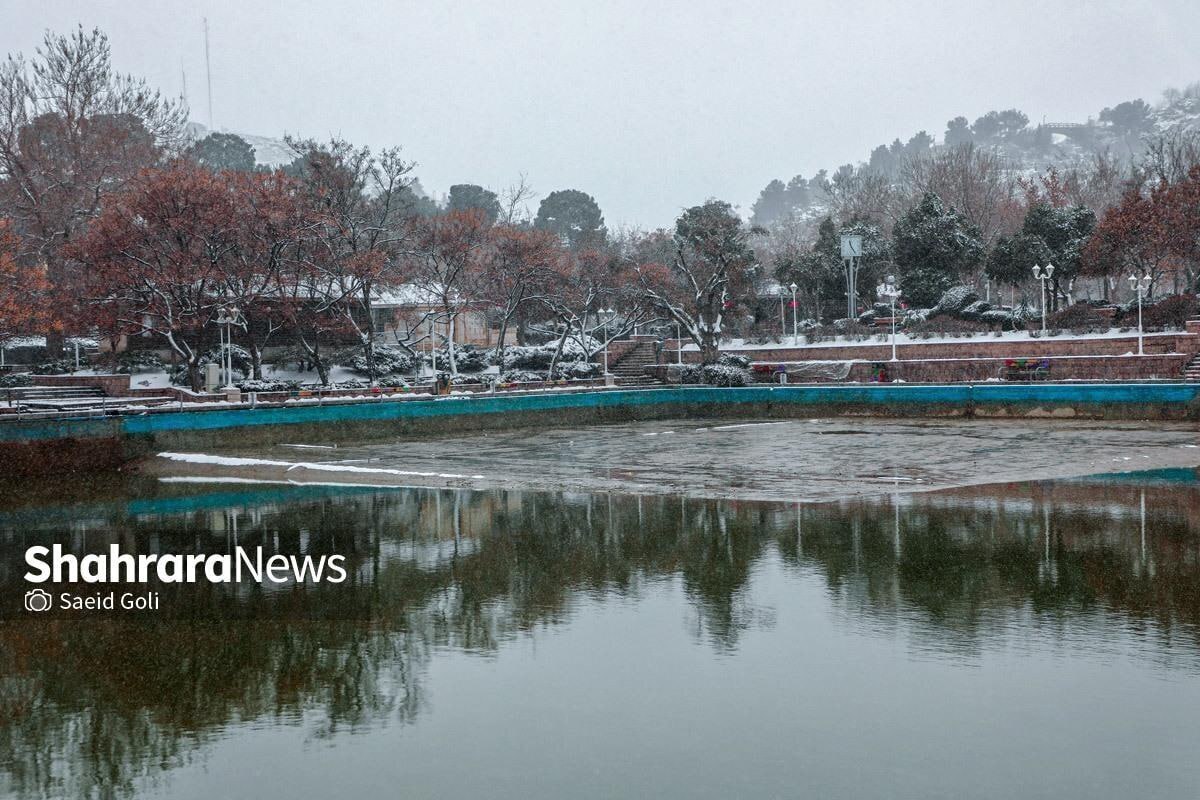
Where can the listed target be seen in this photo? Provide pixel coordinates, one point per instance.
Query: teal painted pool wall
(138, 434)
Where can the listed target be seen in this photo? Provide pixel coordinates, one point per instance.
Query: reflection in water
(109, 707)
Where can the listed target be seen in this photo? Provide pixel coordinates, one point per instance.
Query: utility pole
(208, 71)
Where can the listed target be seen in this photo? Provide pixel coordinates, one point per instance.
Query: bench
(1026, 369)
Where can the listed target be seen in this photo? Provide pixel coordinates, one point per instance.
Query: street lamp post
(227, 317)
(795, 337)
(678, 343)
(890, 290)
(608, 314)
(1141, 285)
(782, 314)
(1043, 274)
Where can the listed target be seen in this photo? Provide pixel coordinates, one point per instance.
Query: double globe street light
(891, 290)
(1043, 274)
(1141, 286)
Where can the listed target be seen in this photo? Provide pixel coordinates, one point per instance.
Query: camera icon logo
(37, 600)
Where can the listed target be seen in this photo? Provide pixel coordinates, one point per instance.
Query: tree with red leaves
(522, 265)
(710, 267)
(72, 130)
(274, 227)
(1180, 222)
(596, 298)
(448, 257)
(1131, 238)
(160, 253)
(24, 302)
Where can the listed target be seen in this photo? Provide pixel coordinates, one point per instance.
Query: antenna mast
(208, 70)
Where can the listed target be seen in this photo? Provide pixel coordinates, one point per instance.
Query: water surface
(1015, 640)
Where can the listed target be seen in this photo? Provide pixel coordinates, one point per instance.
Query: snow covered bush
(59, 366)
(522, 376)
(734, 360)
(466, 357)
(267, 386)
(975, 310)
(1001, 320)
(12, 380)
(241, 363)
(527, 358)
(714, 374)
(955, 299)
(726, 375)
(389, 360)
(576, 370)
(134, 361)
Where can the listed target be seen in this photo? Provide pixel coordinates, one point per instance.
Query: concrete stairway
(54, 392)
(1191, 370)
(629, 369)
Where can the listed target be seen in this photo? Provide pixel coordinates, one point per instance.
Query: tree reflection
(94, 708)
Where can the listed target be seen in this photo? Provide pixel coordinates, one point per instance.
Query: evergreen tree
(934, 246)
(468, 196)
(772, 204)
(958, 131)
(219, 151)
(574, 216)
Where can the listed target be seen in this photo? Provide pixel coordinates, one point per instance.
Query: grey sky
(649, 106)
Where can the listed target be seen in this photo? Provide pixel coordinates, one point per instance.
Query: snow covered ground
(885, 337)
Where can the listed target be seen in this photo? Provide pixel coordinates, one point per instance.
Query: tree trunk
(562, 341)
(256, 360)
(450, 345)
(500, 341)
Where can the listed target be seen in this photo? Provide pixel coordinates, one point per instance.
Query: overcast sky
(649, 106)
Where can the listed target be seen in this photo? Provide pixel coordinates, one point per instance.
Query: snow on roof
(409, 294)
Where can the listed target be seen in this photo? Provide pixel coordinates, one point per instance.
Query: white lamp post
(795, 338)
(608, 314)
(782, 314)
(1043, 274)
(678, 343)
(890, 290)
(227, 317)
(1141, 285)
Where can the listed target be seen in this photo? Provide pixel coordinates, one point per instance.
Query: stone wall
(974, 347)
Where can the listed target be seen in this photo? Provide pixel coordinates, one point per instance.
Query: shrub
(133, 361)
(522, 376)
(389, 360)
(528, 358)
(1170, 312)
(59, 366)
(726, 375)
(240, 358)
(576, 369)
(467, 358)
(734, 360)
(1078, 318)
(715, 374)
(975, 310)
(267, 386)
(15, 379)
(955, 299)
(944, 325)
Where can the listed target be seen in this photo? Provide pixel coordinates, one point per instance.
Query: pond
(1026, 639)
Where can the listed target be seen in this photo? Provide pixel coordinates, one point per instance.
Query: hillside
(1123, 133)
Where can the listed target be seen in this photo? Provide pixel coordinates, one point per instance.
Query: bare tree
(364, 202)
